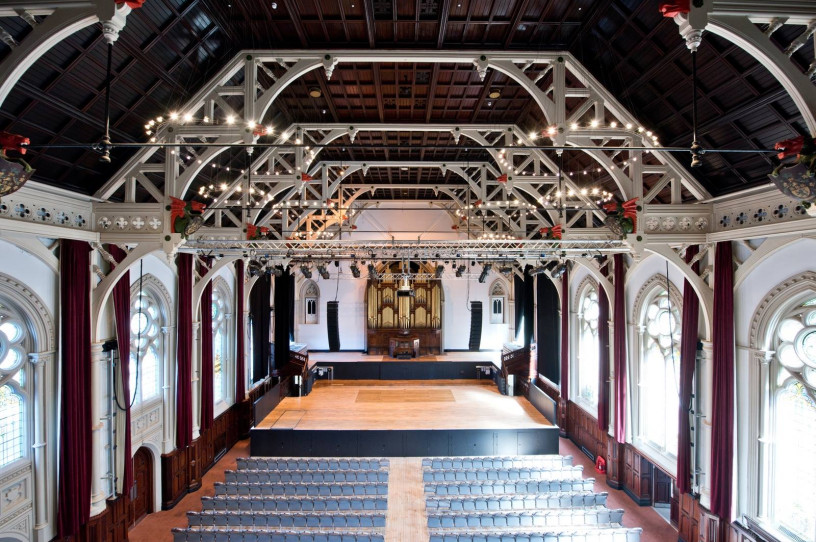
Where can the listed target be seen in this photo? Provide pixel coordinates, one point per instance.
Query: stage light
(439, 270)
(307, 273)
(559, 271)
(539, 270)
(323, 272)
(254, 268)
(460, 270)
(506, 269)
(485, 271)
(372, 272)
(355, 271)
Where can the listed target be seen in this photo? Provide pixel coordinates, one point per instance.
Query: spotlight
(323, 272)
(559, 271)
(485, 271)
(277, 270)
(539, 270)
(307, 273)
(355, 271)
(372, 272)
(460, 270)
(506, 269)
(254, 268)
(439, 270)
(551, 265)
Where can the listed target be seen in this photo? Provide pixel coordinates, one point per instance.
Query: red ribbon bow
(13, 142)
(556, 232)
(252, 231)
(305, 177)
(670, 9)
(502, 178)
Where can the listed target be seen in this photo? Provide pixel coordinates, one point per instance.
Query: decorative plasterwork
(587, 282)
(769, 310)
(498, 288)
(155, 286)
(655, 282)
(676, 219)
(771, 208)
(32, 205)
(34, 308)
(128, 217)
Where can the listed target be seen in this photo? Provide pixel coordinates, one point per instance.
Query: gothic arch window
(656, 387)
(586, 381)
(15, 345)
(787, 432)
(222, 339)
(148, 317)
(311, 302)
(498, 297)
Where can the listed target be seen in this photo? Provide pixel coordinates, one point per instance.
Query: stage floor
(404, 405)
(493, 357)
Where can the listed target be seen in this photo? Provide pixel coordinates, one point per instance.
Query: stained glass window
(587, 378)
(221, 343)
(145, 347)
(13, 354)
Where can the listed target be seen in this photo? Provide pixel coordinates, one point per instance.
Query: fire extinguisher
(600, 465)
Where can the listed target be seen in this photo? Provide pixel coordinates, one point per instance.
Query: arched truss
(529, 70)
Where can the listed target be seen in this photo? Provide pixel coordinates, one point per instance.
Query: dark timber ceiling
(171, 47)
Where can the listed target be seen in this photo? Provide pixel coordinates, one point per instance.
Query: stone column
(168, 390)
(99, 428)
(702, 433)
(39, 445)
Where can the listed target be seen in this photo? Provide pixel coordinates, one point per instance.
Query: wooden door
(142, 494)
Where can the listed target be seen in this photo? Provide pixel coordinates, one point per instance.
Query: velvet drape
(529, 307)
(74, 477)
(282, 318)
(121, 311)
(240, 334)
(184, 352)
(619, 351)
(548, 328)
(603, 357)
(205, 305)
(518, 309)
(260, 313)
(722, 411)
(688, 361)
(565, 336)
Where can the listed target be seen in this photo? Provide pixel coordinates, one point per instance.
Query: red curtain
(565, 336)
(688, 356)
(206, 352)
(74, 477)
(619, 353)
(184, 352)
(240, 333)
(603, 357)
(121, 311)
(722, 422)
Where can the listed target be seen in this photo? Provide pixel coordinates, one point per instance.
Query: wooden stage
(404, 419)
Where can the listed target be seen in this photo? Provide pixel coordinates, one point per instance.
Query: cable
(138, 342)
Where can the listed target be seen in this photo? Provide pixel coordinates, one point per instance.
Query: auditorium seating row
(284, 519)
(517, 499)
(506, 462)
(551, 518)
(294, 500)
(554, 473)
(517, 502)
(256, 476)
(261, 504)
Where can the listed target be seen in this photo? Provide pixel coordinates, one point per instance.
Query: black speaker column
(333, 328)
(475, 326)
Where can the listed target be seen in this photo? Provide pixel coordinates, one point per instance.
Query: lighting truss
(481, 250)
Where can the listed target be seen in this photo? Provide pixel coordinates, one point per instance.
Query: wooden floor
(404, 405)
(493, 357)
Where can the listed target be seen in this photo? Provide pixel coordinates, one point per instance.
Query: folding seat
(458, 521)
(299, 521)
(434, 538)
(326, 521)
(312, 521)
(434, 522)
(513, 520)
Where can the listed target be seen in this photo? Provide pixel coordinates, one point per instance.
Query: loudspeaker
(475, 326)
(332, 325)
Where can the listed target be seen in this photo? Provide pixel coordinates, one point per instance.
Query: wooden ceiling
(171, 47)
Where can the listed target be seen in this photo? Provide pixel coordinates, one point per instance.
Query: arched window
(221, 317)
(587, 358)
(659, 367)
(311, 300)
(14, 348)
(147, 317)
(790, 460)
(497, 295)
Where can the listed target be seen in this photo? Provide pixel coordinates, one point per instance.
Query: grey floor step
(331, 520)
(487, 462)
(560, 535)
(295, 504)
(542, 501)
(524, 473)
(241, 535)
(312, 463)
(508, 488)
(560, 519)
(302, 489)
(263, 476)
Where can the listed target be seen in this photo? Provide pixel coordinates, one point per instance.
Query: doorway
(141, 496)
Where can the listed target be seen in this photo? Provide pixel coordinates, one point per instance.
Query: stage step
(560, 535)
(331, 520)
(280, 535)
(264, 476)
(600, 517)
(511, 474)
(303, 489)
(510, 488)
(312, 463)
(310, 504)
(543, 501)
(487, 462)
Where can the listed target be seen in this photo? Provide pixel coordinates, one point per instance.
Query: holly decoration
(255, 233)
(185, 216)
(622, 217)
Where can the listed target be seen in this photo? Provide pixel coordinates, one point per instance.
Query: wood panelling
(142, 503)
(637, 477)
(430, 340)
(712, 528)
(689, 512)
(583, 429)
(615, 467)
